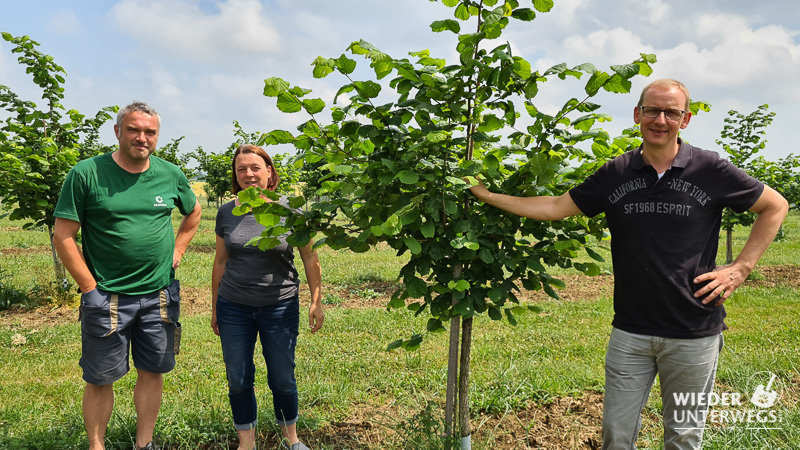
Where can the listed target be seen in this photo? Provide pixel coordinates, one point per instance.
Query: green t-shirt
(126, 220)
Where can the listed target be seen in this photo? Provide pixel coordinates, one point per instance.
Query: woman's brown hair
(274, 179)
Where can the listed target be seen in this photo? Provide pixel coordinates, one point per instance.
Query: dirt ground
(563, 423)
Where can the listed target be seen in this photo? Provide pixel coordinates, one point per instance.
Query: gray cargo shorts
(112, 324)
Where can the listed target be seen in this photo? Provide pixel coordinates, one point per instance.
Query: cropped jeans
(685, 367)
(277, 325)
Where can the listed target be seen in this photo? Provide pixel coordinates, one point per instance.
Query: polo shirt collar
(681, 159)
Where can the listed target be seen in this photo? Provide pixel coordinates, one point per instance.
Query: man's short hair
(666, 83)
(138, 106)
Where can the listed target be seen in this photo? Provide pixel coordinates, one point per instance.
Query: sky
(202, 64)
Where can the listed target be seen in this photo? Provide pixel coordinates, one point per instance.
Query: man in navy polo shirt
(663, 204)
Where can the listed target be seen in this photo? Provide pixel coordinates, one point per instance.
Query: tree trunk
(463, 384)
(452, 370)
(729, 247)
(452, 376)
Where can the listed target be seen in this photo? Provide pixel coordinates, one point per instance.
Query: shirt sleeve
(72, 199)
(739, 190)
(589, 195)
(186, 197)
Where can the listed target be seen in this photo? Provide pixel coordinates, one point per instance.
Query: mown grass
(344, 371)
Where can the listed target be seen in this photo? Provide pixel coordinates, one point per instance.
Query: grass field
(536, 385)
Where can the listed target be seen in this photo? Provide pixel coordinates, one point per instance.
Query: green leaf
(392, 226)
(268, 243)
(549, 291)
(437, 136)
(460, 285)
(594, 255)
(343, 90)
(590, 269)
(289, 103)
(462, 12)
(522, 68)
(524, 14)
(494, 313)
(240, 210)
(446, 25)
(345, 65)
(490, 123)
(486, 256)
(543, 5)
(275, 86)
(413, 245)
(368, 89)
(413, 343)
(618, 85)
(428, 229)
(394, 344)
(342, 169)
(434, 325)
(416, 287)
(596, 82)
(464, 309)
(510, 317)
(267, 219)
(313, 106)
(407, 177)
(626, 71)
(296, 202)
(323, 67)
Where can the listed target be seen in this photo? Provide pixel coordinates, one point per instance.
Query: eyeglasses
(652, 112)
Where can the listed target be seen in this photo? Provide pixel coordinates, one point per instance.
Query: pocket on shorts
(170, 302)
(99, 313)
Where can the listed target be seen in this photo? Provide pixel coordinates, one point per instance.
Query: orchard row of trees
(40, 144)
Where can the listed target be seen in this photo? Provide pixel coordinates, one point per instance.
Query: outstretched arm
(539, 208)
(771, 208)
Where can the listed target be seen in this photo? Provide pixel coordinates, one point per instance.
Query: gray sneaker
(151, 446)
(298, 446)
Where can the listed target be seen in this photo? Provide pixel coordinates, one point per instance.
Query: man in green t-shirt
(122, 202)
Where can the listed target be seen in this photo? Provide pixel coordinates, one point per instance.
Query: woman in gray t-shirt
(254, 294)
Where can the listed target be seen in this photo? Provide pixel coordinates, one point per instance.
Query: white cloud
(240, 29)
(64, 23)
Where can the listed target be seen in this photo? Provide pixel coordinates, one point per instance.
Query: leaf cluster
(38, 146)
(742, 137)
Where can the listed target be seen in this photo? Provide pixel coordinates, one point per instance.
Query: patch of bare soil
(25, 251)
(774, 276)
(567, 423)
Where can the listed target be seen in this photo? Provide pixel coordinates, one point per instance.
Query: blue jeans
(277, 325)
(684, 367)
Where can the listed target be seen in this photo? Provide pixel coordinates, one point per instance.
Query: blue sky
(201, 64)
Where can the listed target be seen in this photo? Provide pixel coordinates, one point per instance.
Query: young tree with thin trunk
(39, 146)
(403, 161)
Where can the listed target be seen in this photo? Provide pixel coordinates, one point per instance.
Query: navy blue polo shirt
(664, 233)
